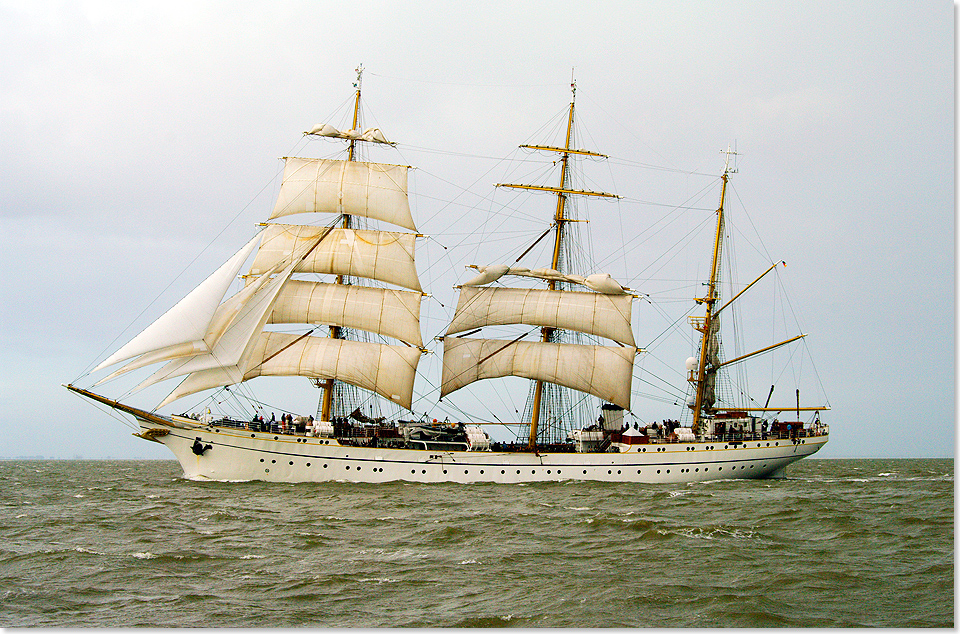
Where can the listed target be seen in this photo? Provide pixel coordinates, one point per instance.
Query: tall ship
(338, 301)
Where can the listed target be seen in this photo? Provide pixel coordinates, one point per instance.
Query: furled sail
(388, 312)
(371, 135)
(385, 369)
(593, 313)
(604, 371)
(382, 255)
(371, 190)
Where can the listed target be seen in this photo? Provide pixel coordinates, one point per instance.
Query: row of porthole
(503, 471)
(712, 447)
(303, 440)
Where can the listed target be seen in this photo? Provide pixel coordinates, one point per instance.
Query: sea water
(864, 543)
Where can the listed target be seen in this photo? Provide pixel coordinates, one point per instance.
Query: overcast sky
(141, 143)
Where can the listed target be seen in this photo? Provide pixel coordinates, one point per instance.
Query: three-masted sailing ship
(357, 290)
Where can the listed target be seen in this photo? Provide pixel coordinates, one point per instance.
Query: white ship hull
(231, 454)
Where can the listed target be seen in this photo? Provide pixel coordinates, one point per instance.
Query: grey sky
(133, 133)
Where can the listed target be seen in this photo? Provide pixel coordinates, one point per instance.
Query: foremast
(327, 385)
(215, 341)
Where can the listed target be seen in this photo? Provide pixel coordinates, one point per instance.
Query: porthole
(697, 470)
(358, 468)
(308, 464)
(266, 470)
(253, 435)
(618, 471)
(658, 470)
(348, 467)
(423, 471)
(273, 461)
(276, 437)
(413, 470)
(261, 459)
(502, 471)
(518, 471)
(638, 470)
(324, 466)
(668, 470)
(609, 471)
(444, 472)
(481, 471)
(291, 463)
(584, 472)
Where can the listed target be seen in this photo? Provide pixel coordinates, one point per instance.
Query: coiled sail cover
(371, 190)
(604, 371)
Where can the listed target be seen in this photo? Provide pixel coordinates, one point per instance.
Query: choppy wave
(839, 543)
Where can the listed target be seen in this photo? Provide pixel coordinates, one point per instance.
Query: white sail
(184, 326)
(371, 190)
(604, 371)
(225, 314)
(594, 313)
(381, 255)
(388, 312)
(231, 347)
(387, 370)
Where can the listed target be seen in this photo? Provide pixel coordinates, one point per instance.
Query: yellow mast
(560, 220)
(327, 402)
(706, 325)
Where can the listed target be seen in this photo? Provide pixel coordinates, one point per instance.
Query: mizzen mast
(707, 325)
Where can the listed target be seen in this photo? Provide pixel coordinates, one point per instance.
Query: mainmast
(559, 224)
(328, 385)
(706, 325)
